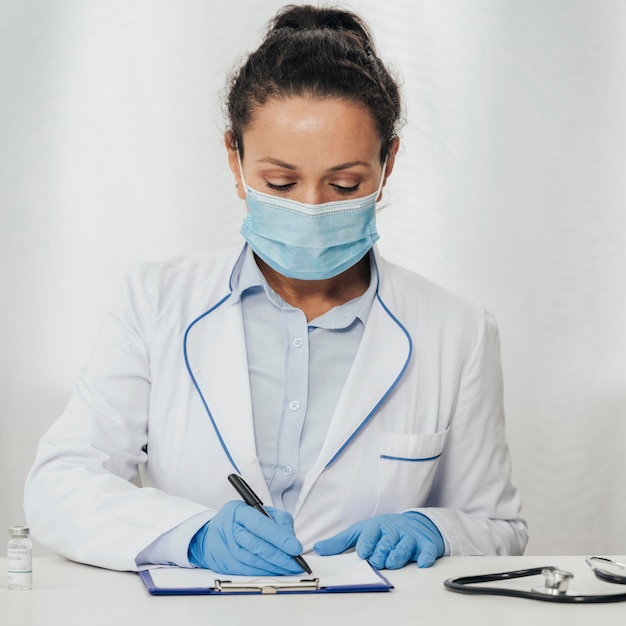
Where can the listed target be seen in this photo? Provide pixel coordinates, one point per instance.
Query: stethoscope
(555, 587)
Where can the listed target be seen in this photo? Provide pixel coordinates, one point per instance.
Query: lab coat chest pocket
(407, 467)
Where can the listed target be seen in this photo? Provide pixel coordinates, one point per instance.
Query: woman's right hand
(241, 541)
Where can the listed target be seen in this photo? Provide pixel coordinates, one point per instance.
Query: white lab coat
(419, 424)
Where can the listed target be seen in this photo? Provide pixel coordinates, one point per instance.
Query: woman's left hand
(389, 541)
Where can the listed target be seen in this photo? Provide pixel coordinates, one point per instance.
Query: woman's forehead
(303, 124)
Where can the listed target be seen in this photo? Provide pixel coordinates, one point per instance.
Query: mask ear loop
(245, 186)
(380, 186)
(243, 180)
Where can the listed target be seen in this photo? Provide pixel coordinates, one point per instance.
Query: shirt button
(297, 342)
(294, 405)
(287, 469)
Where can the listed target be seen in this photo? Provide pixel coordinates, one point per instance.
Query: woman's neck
(316, 297)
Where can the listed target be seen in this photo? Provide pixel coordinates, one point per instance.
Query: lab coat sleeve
(172, 547)
(474, 502)
(81, 495)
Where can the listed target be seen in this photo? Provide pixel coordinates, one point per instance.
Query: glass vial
(20, 558)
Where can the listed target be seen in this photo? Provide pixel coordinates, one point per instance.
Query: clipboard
(342, 573)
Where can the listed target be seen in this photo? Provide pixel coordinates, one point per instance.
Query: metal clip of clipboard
(267, 585)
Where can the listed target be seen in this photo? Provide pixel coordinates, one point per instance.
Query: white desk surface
(66, 593)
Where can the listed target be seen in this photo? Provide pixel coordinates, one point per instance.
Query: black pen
(251, 499)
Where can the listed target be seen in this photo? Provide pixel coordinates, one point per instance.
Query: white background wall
(510, 189)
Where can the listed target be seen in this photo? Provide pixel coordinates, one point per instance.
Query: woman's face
(311, 150)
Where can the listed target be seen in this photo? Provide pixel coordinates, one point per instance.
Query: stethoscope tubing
(610, 578)
(462, 584)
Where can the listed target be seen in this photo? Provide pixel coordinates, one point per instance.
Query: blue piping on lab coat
(361, 425)
(408, 460)
(193, 378)
(386, 394)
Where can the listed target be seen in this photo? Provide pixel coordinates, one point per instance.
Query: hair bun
(309, 17)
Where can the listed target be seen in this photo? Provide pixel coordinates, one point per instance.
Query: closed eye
(346, 190)
(288, 186)
(279, 188)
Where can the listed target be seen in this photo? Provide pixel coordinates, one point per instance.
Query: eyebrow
(345, 166)
(336, 168)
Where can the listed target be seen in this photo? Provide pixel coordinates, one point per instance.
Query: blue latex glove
(241, 541)
(389, 541)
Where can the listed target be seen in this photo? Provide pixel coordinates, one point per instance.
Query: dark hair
(322, 52)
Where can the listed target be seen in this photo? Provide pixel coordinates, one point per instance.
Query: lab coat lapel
(216, 354)
(379, 364)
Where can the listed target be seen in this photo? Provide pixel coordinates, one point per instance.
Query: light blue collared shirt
(297, 371)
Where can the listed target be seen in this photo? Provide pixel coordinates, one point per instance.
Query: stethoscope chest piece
(556, 583)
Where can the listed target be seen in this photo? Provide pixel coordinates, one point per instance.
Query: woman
(362, 401)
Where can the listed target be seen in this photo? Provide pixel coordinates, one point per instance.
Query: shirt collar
(250, 278)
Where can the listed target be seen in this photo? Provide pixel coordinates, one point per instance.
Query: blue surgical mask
(309, 241)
